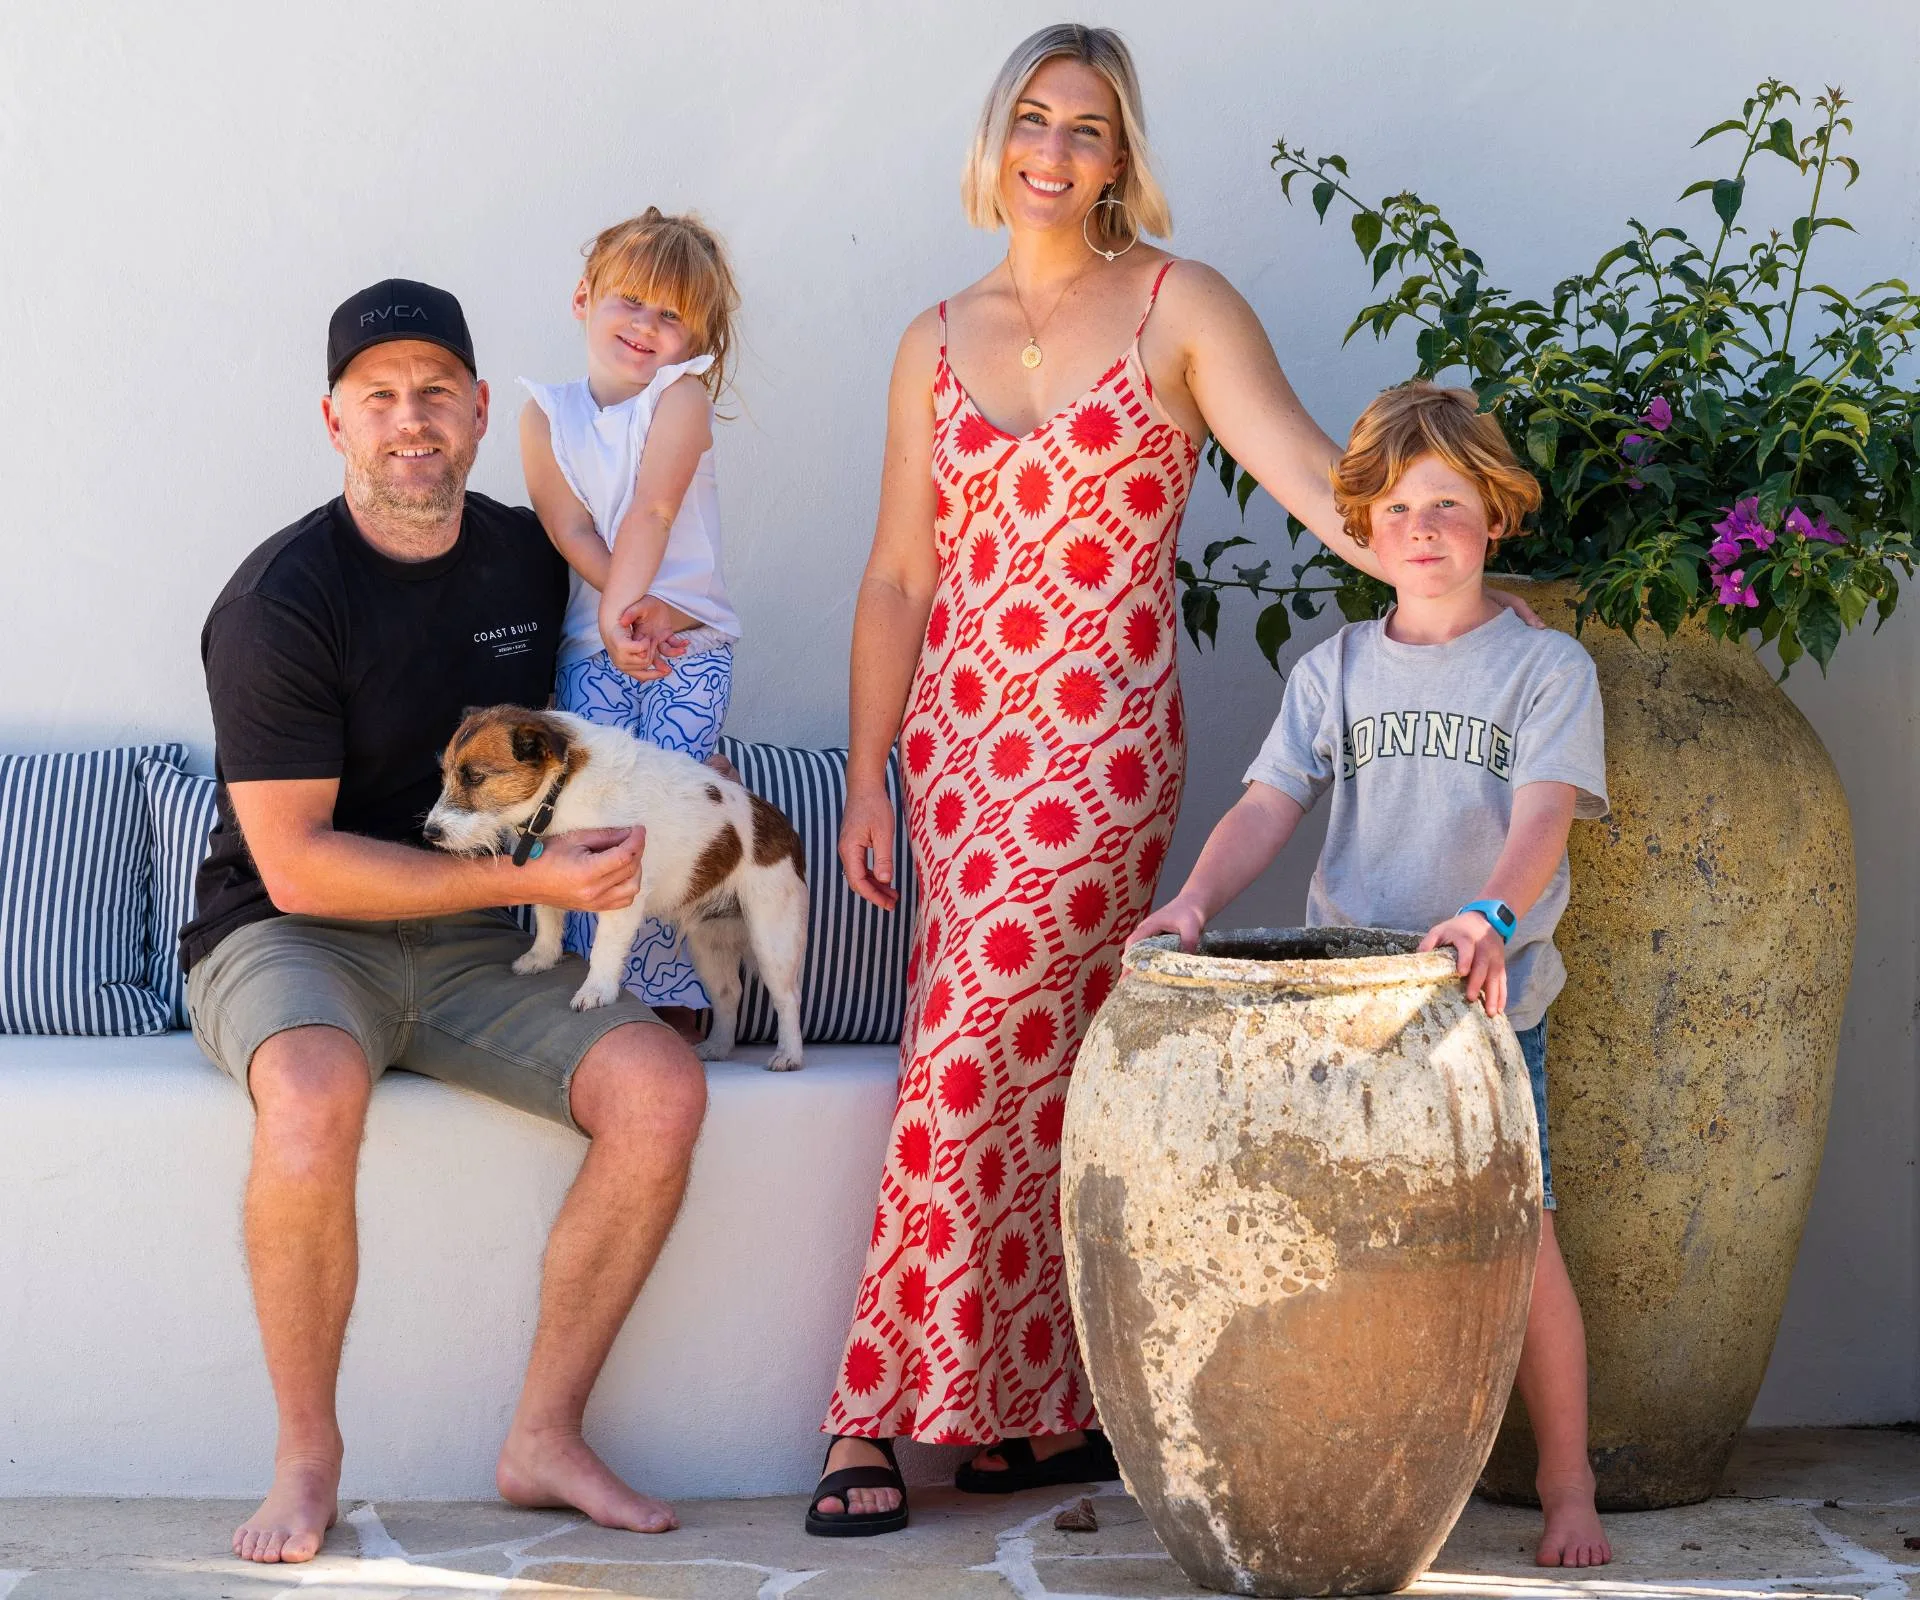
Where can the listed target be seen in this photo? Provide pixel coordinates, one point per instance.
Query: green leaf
(1780, 140)
(1431, 348)
(1693, 189)
(1819, 626)
(1366, 231)
(1802, 233)
(1243, 490)
(1271, 631)
(1220, 547)
(1305, 607)
(1200, 611)
(1846, 411)
(1383, 259)
(1710, 411)
(1543, 439)
(1253, 577)
(1731, 125)
(1700, 346)
(1726, 199)
(1323, 193)
(1667, 605)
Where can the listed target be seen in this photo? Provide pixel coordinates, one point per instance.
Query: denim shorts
(435, 996)
(1533, 1046)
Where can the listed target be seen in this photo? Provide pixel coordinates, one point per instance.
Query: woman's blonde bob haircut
(677, 262)
(1419, 419)
(1143, 203)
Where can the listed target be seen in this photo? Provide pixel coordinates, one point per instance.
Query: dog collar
(529, 845)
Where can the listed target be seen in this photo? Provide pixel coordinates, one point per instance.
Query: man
(328, 945)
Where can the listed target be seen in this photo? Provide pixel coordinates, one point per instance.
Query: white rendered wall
(188, 190)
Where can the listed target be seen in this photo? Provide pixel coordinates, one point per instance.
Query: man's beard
(373, 486)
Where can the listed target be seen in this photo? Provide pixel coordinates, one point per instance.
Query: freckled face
(1431, 530)
(1063, 147)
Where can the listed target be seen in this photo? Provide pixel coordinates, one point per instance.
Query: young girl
(619, 465)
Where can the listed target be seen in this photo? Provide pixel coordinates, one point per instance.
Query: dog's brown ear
(536, 742)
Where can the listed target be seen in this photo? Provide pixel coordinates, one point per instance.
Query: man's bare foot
(292, 1521)
(1044, 1445)
(557, 1469)
(1573, 1536)
(863, 1502)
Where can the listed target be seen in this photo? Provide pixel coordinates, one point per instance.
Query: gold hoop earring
(1107, 199)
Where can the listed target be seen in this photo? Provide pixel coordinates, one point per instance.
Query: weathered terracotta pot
(1690, 1058)
(1301, 1189)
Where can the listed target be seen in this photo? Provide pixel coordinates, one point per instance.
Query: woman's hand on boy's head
(1482, 957)
(1178, 917)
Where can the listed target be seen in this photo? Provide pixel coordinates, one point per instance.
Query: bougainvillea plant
(1716, 431)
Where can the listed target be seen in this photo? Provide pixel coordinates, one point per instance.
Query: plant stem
(1813, 217)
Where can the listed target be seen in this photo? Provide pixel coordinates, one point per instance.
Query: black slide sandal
(854, 1524)
(1091, 1462)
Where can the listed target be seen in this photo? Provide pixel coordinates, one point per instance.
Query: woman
(1015, 632)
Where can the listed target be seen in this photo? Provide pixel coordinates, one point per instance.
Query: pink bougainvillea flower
(1733, 589)
(1742, 524)
(1813, 528)
(1724, 551)
(1659, 415)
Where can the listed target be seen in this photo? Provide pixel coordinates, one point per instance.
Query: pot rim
(1161, 960)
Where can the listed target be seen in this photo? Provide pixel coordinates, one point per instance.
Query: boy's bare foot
(292, 1521)
(557, 1469)
(1573, 1536)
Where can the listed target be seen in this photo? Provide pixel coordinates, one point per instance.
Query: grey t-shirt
(1423, 747)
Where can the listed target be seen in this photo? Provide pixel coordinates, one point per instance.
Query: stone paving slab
(1805, 1512)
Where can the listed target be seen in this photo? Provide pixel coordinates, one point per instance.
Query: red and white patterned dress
(1043, 753)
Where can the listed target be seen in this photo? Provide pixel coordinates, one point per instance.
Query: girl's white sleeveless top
(598, 450)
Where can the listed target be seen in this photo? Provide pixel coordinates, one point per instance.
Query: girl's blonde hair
(1418, 419)
(1143, 203)
(677, 262)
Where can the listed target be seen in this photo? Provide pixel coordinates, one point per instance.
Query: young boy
(1459, 744)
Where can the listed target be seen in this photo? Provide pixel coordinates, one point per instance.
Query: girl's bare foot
(292, 1521)
(555, 1468)
(861, 1502)
(1573, 1536)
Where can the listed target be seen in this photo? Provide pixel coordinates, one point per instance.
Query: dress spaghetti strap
(943, 330)
(1153, 295)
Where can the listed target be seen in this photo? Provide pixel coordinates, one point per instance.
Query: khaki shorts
(433, 997)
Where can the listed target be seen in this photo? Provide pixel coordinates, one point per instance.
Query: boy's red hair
(1418, 419)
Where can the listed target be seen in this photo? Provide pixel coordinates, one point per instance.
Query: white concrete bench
(129, 1361)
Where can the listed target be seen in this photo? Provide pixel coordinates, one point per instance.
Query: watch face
(1505, 912)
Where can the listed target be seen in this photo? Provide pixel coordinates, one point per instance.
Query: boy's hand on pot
(1482, 957)
(1183, 920)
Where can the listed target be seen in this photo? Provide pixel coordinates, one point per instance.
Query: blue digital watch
(1498, 913)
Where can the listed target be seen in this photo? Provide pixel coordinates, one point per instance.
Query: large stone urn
(1300, 1185)
(1690, 1058)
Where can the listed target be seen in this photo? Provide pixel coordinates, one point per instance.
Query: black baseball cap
(397, 308)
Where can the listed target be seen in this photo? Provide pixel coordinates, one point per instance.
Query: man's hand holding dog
(593, 869)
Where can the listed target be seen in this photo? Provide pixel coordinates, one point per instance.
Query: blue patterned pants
(682, 711)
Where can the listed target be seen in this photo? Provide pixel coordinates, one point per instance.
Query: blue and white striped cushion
(76, 893)
(854, 989)
(180, 815)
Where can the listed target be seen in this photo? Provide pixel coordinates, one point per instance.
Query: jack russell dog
(720, 863)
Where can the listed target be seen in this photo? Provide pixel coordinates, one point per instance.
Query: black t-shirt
(326, 659)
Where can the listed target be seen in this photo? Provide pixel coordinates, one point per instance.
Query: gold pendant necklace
(1031, 355)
